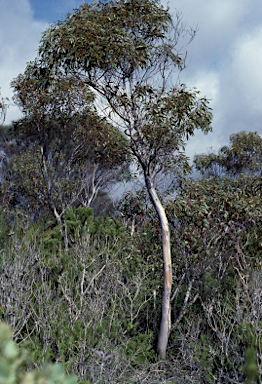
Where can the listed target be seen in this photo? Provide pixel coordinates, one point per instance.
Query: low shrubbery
(95, 308)
(15, 365)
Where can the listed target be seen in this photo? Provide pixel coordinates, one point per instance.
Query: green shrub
(14, 364)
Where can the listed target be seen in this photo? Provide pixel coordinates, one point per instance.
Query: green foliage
(139, 348)
(117, 47)
(66, 151)
(77, 221)
(78, 224)
(251, 368)
(204, 356)
(14, 363)
(238, 354)
(221, 206)
(111, 22)
(5, 228)
(242, 156)
(62, 113)
(96, 298)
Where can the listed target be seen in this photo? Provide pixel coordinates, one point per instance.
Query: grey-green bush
(14, 363)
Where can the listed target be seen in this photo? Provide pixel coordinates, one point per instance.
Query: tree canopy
(242, 156)
(68, 153)
(124, 51)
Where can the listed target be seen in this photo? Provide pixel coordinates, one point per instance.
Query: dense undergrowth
(95, 308)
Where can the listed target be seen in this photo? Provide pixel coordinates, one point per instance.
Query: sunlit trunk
(165, 234)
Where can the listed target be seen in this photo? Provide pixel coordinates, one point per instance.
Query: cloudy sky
(224, 60)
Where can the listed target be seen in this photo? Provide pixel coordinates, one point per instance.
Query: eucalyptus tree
(126, 51)
(67, 151)
(243, 156)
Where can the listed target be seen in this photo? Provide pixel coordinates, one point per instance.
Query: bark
(165, 324)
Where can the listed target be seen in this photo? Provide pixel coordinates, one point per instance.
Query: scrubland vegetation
(96, 306)
(83, 296)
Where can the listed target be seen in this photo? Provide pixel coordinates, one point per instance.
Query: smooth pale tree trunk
(165, 324)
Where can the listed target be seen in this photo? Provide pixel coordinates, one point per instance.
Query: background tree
(68, 153)
(242, 156)
(127, 53)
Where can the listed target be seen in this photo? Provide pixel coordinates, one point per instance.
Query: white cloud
(247, 69)
(224, 63)
(19, 40)
(207, 83)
